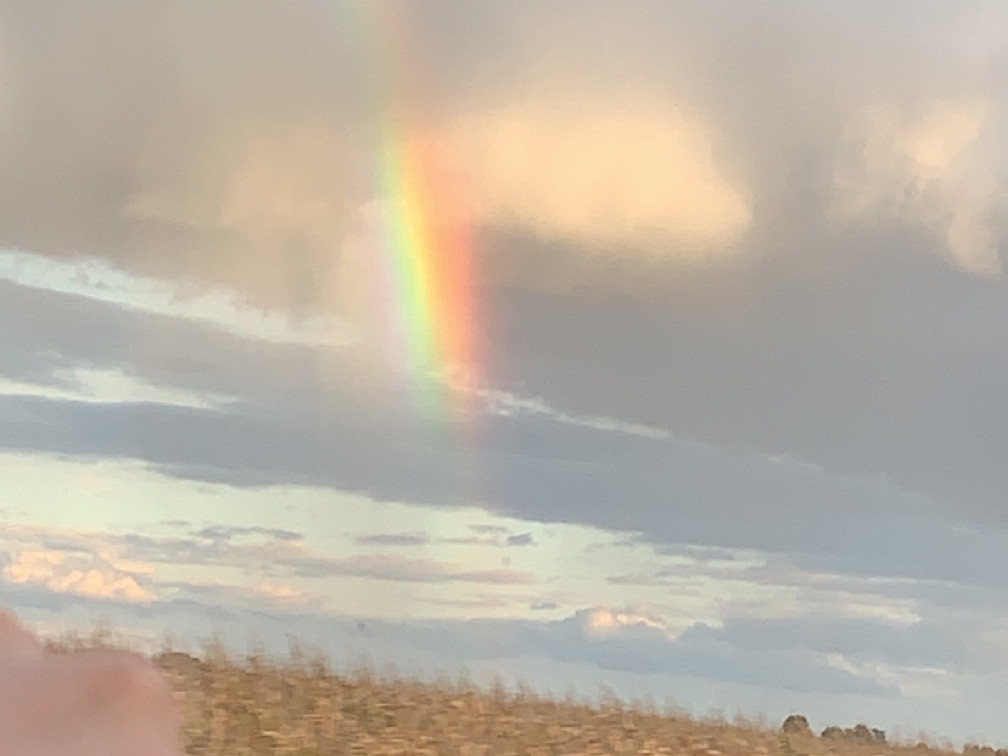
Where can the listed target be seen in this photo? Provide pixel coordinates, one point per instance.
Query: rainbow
(427, 251)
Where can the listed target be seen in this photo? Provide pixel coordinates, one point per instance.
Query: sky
(704, 400)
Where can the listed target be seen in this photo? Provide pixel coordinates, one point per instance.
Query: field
(258, 706)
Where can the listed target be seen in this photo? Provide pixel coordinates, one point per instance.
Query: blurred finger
(16, 641)
(91, 703)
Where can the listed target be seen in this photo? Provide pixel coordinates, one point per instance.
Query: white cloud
(509, 404)
(912, 682)
(111, 386)
(219, 307)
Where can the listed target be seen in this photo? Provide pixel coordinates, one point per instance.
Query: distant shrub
(859, 732)
(796, 724)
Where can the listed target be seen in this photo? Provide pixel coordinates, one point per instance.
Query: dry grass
(299, 707)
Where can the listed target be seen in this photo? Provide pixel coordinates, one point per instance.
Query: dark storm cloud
(224, 141)
(881, 366)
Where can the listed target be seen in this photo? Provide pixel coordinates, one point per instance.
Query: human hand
(87, 703)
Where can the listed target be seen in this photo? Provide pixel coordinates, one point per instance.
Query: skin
(88, 703)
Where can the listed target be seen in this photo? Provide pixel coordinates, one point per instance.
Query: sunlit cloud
(602, 622)
(79, 573)
(635, 174)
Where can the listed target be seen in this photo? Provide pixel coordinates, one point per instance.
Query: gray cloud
(181, 104)
(392, 539)
(387, 567)
(293, 424)
(220, 532)
(520, 539)
(853, 368)
(284, 557)
(819, 339)
(543, 606)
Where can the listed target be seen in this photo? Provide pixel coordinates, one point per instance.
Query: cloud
(276, 179)
(246, 141)
(534, 468)
(520, 539)
(930, 165)
(392, 539)
(385, 567)
(227, 533)
(601, 622)
(543, 606)
(96, 279)
(109, 386)
(496, 530)
(911, 682)
(277, 595)
(237, 159)
(79, 573)
(636, 175)
(498, 536)
(769, 586)
(511, 404)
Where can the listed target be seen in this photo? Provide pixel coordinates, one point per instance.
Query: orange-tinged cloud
(639, 173)
(603, 622)
(84, 575)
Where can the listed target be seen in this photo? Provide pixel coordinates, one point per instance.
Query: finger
(15, 640)
(90, 703)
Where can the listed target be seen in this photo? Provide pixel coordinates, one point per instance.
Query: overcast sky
(738, 431)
